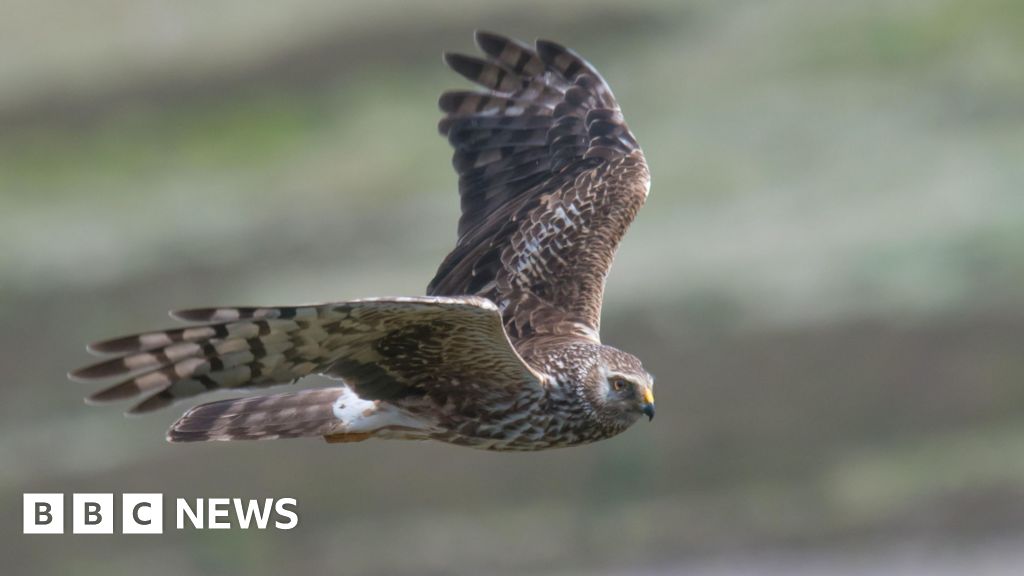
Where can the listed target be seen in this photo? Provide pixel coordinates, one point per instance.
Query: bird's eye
(618, 384)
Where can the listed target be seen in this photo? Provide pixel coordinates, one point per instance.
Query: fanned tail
(291, 415)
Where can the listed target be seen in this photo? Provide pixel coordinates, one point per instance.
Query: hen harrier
(504, 352)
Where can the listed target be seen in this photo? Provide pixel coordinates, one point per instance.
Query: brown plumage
(504, 353)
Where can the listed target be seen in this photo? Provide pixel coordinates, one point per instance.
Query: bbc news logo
(144, 513)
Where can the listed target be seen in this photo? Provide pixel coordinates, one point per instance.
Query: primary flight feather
(504, 352)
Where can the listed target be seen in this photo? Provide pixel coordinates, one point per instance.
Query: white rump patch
(359, 415)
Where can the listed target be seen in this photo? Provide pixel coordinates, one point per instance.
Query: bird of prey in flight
(504, 352)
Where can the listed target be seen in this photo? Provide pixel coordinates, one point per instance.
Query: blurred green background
(827, 280)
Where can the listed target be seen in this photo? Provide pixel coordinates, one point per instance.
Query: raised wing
(549, 177)
(448, 349)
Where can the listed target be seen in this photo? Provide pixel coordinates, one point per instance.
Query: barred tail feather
(291, 415)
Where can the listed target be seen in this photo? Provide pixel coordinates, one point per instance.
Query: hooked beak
(648, 406)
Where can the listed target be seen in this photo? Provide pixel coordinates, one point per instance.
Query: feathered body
(504, 353)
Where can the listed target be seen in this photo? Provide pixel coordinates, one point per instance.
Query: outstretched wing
(447, 349)
(549, 177)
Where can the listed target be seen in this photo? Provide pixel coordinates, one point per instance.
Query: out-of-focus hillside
(827, 280)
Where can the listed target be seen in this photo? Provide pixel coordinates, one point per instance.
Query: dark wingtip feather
(548, 50)
(115, 393)
(108, 396)
(99, 371)
(444, 125)
(77, 375)
(101, 348)
(450, 100)
(456, 59)
(510, 53)
(491, 43)
(117, 345)
(86, 373)
(469, 67)
(568, 63)
(193, 314)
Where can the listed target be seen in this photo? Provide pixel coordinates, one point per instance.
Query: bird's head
(621, 390)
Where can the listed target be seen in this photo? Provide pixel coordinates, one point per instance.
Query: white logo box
(92, 513)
